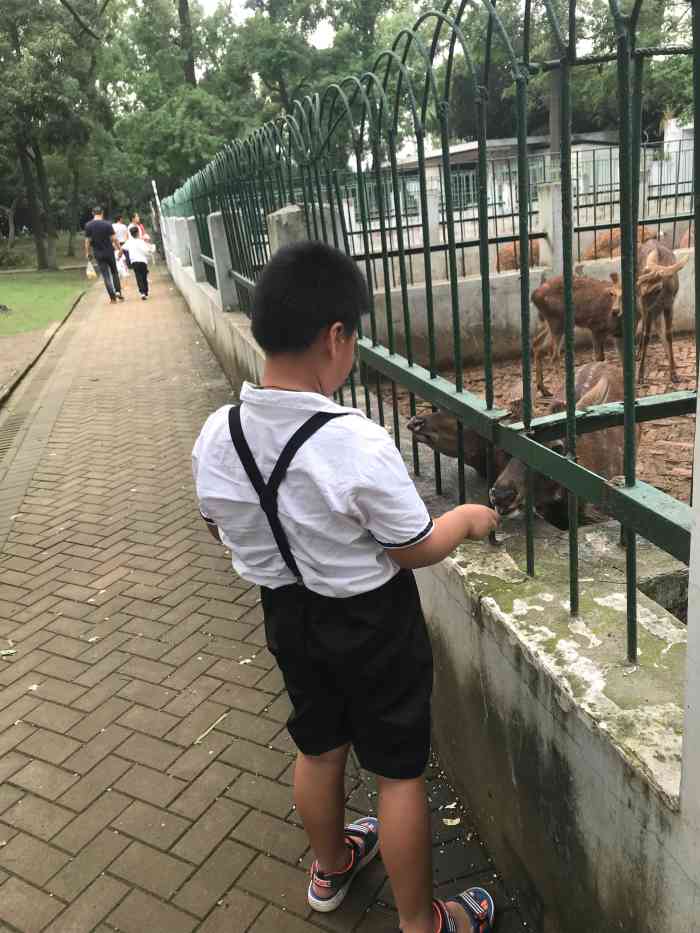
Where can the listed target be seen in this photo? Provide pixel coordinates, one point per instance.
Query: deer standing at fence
(599, 451)
(593, 310)
(656, 290)
(439, 431)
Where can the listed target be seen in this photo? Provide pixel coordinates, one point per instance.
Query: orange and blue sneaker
(327, 890)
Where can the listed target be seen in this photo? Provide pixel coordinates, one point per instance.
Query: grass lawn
(23, 255)
(38, 298)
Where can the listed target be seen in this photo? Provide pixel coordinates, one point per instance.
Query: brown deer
(598, 451)
(593, 307)
(657, 286)
(509, 255)
(438, 431)
(608, 244)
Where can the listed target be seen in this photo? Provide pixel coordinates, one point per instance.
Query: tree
(186, 42)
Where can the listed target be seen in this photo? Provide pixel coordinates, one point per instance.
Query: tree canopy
(101, 96)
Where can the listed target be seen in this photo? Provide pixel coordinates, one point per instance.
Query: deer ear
(614, 277)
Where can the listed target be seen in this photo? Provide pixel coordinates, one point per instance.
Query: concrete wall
(569, 759)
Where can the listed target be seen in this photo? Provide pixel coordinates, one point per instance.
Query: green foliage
(104, 100)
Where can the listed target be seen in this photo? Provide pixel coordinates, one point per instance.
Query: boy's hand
(482, 521)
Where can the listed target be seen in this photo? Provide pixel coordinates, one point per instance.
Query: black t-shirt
(100, 233)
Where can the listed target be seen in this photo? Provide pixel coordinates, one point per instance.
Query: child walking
(317, 507)
(139, 252)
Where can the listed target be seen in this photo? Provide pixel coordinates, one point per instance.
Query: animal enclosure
(336, 156)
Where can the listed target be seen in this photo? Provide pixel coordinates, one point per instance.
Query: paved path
(144, 764)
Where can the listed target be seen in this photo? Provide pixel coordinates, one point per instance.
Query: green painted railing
(390, 220)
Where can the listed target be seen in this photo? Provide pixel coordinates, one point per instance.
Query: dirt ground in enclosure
(665, 454)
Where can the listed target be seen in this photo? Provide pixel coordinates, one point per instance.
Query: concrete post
(181, 247)
(551, 249)
(222, 262)
(288, 225)
(195, 250)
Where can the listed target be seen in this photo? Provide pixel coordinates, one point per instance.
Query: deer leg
(668, 344)
(646, 334)
(599, 347)
(539, 372)
(539, 347)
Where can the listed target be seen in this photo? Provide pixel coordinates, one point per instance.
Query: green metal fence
(341, 145)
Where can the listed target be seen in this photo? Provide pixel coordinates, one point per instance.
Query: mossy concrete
(569, 756)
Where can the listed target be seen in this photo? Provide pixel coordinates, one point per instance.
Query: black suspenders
(267, 492)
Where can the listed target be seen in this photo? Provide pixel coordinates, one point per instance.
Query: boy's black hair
(97, 210)
(118, 218)
(304, 288)
(134, 231)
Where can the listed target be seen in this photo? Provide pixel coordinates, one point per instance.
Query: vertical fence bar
(521, 104)
(403, 281)
(569, 328)
(624, 63)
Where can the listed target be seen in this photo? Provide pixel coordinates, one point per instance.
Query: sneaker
(112, 299)
(120, 296)
(327, 890)
(144, 297)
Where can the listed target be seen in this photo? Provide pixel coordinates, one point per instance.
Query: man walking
(100, 235)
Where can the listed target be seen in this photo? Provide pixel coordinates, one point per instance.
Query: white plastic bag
(90, 270)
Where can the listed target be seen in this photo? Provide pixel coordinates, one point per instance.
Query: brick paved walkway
(144, 765)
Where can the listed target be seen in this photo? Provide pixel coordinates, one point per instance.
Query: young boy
(138, 251)
(317, 507)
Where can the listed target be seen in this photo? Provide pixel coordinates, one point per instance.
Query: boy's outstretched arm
(466, 521)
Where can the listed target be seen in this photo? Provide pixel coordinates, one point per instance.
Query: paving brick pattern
(121, 808)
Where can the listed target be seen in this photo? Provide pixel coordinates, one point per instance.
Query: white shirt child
(346, 500)
(138, 250)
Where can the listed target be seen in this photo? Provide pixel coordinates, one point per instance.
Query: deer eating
(599, 451)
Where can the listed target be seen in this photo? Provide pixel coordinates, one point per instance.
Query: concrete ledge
(570, 759)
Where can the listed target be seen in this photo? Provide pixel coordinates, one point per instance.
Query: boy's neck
(291, 374)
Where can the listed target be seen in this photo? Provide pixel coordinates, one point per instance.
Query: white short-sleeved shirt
(346, 500)
(138, 250)
(121, 232)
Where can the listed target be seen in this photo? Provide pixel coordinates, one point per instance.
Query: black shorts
(357, 669)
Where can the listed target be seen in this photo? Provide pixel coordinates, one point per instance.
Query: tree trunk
(186, 45)
(9, 212)
(74, 210)
(42, 261)
(51, 232)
